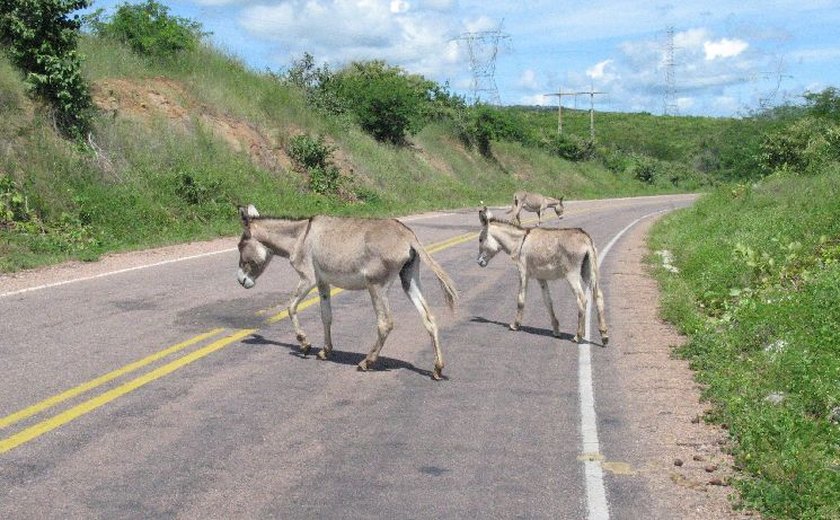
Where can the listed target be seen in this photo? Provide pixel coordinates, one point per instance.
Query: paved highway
(168, 391)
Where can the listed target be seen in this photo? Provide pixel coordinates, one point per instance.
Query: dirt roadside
(682, 460)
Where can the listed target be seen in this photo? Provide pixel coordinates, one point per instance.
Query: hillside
(177, 143)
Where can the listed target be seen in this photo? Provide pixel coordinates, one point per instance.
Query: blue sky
(728, 57)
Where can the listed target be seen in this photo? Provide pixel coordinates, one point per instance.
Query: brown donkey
(546, 254)
(349, 253)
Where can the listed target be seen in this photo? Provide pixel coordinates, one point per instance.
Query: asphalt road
(171, 392)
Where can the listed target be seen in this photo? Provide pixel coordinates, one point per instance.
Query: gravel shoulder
(681, 459)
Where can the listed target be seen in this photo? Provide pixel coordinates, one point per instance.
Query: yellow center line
(63, 418)
(101, 380)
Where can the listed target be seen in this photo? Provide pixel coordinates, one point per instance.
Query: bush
(41, 41)
(388, 104)
(314, 157)
(802, 147)
(149, 29)
(570, 147)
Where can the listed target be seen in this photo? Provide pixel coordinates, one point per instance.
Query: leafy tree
(387, 103)
(40, 38)
(149, 29)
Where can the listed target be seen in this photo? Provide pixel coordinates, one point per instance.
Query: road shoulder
(661, 459)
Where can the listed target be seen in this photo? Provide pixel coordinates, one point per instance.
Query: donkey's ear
(482, 216)
(246, 214)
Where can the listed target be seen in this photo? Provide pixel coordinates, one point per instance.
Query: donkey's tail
(450, 293)
(589, 267)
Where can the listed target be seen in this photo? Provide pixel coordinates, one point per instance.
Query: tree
(149, 29)
(40, 38)
(387, 103)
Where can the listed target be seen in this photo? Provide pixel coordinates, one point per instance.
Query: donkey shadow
(383, 363)
(530, 330)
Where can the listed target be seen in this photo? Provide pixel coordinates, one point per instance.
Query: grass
(758, 293)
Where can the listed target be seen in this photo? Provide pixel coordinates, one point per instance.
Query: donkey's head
(488, 246)
(253, 255)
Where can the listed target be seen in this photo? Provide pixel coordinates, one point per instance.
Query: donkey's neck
(279, 235)
(509, 237)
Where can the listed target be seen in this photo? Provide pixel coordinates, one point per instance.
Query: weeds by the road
(757, 289)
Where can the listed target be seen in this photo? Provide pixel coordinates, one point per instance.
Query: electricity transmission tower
(483, 47)
(670, 107)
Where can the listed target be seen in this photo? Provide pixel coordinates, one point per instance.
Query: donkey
(546, 254)
(534, 202)
(349, 253)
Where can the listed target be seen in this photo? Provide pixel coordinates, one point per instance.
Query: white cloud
(724, 48)
(597, 70)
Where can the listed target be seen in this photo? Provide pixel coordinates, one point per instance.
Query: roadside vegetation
(757, 290)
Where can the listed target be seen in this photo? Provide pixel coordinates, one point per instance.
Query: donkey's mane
(505, 222)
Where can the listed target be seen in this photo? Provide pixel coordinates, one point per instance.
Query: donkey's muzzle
(482, 261)
(245, 280)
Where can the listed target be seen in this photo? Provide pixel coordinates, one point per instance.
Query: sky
(709, 58)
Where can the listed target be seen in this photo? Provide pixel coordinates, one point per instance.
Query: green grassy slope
(175, 151)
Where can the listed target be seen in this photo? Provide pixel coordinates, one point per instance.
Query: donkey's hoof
(556, 333)
(304, 349)
(576, 339)
(323, 355)
(363, 366)
(605, 339)
(513, 326)
(437, 373)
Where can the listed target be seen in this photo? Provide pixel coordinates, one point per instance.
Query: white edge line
(110, 273)
(596, 494)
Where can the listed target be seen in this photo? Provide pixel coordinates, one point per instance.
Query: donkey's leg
(574, 282)
(410, 278)
(326, 319)
(555, 325)
(384, 323)
(303, 287)
(520, 298)
(602, 321)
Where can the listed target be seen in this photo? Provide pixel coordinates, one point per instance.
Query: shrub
(41, 39)
(388, 104)
(801, 147)
(149, 29)
(315, 157)
(570, 147)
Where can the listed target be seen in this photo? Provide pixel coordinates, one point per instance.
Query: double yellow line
(47, 425)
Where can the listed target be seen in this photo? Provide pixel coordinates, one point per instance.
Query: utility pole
(592, 95)
(591, 92)
(560, 95)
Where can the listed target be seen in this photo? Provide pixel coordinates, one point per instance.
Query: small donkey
(546, 254)
(534, 202)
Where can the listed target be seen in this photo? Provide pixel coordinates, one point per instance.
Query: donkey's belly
(547, 273)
